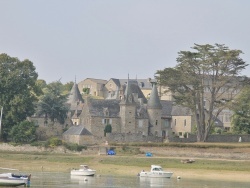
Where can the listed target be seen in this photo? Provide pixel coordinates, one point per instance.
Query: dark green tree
(52, 103)
(107, 129)
(205, 80)
(241, 109)
(25, 132)
(18, 91)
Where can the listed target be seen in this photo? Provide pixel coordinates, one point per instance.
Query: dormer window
(105, 111)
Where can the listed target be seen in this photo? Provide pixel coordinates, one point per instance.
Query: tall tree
(241, 109)
(18, 91)
(52, 103)
(205, 80)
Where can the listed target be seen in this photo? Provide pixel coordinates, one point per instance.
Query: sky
(71, 40)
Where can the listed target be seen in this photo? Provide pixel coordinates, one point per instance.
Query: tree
(241, 109)
(18, 91)
(52, 103)
(25, 132)
(205, 80)
(68, 86)
(108, 129)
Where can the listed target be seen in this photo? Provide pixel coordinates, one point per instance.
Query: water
(43, 179)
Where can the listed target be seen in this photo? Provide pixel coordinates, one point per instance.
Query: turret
(154, 109)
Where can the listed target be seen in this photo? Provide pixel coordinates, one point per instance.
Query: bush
(54, 141)
(74, 147)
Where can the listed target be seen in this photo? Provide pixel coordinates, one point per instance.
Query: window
(156, 122)
(174, 122)
(185, 123)
(140, 123)
(106, 121)
(166, 123)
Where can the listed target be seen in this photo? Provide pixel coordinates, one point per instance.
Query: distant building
(130, 114)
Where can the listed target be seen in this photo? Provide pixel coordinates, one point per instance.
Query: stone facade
(131, 116)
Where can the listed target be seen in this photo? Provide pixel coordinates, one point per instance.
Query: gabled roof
(181, 111)
(100, 81)
(77, 130)
(130, 88)
(116, 81)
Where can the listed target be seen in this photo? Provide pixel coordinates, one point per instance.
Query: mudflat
(222, 163)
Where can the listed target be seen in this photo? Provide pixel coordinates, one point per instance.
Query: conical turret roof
(154, 100)
(75, 95)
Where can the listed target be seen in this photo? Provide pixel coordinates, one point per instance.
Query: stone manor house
(133, 108)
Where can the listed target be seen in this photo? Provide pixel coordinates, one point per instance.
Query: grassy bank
(130, 160)
(64, 162)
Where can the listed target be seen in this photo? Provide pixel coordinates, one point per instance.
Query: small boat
(10, 179)
(156, 172)
(84, 170)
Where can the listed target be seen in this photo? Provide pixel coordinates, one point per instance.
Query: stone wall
(79, 139)
(131, 137)
(213, 138)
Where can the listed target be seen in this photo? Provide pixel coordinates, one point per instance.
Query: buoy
(178, 177)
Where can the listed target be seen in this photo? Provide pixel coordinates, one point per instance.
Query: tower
(128, 110)
(154, 109)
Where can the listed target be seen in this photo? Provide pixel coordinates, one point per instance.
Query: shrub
(74, 147)
(54, 141)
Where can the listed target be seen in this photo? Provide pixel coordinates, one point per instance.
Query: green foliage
(67, 87)
(52, 103)
(54, 141)
(86, 90)
(74, 147)
(241, 109)
(23, 132)
(218, 130)
(18, 91)
(213, 69)
(107, 129)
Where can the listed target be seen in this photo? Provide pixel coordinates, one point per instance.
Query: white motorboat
(10, 179)
(84, 170)
(156, 172)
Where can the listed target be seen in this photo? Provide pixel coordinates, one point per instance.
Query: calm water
(65, 180)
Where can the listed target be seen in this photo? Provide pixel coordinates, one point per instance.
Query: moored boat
(156, 172)
(10, 179)
(84, 170)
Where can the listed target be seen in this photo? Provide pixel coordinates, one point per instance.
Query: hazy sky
(106, 39)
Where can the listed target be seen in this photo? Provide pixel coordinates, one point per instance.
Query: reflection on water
(43, 179)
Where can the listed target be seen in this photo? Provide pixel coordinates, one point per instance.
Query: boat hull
(156, 174)
(82, 173)
(13, 182)
(9, 179)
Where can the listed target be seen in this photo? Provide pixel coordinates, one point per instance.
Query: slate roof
(96, 107)
(181, 111)
(166, 108)
(74, 95)
(142, 83)
(116, 81)
(77, 130)
(154, 100)
(132, 87)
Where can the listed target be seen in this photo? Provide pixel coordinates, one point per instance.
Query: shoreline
(56, 160)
